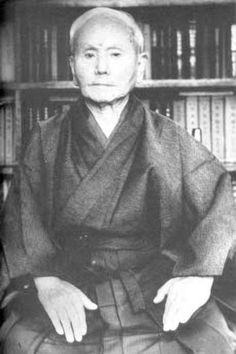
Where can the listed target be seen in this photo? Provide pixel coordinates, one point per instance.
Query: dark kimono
(121, 217)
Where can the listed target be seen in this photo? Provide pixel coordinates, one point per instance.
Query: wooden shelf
(122, 3)
(151, 84)
(189, 83)
(230, 166)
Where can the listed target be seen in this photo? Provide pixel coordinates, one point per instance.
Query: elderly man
(118, 222)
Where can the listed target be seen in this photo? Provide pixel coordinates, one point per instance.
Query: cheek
(83, 72)
(127, 75)
(127, 70)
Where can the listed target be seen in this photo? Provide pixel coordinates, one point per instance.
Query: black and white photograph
(117, 176)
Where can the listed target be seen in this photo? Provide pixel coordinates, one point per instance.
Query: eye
(115, 54)
(89, 55)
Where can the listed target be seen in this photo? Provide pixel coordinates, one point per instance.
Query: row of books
(211, 118)
(45, 52)
(190, 49)
(36, 109)
(7, 131)
(177, 46)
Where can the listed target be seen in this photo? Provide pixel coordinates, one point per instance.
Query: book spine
(30, 118)
(161, 71)
(37, 53)
(9, 155)
(179, 112)
(63, 51)
(233, 50)
(7, 53)
(154, 52)
(147, 49)
(204, 120)
(192, 113)
(54, 53)
(226, 49)
(31, 62)
(204, 49)
(217, 73)
(230, 128)
(234, 190)
(192, 48)
(179, 54)
(2, 134)
(217, 122)
(168, 51)
(186, 51)
(45, 62)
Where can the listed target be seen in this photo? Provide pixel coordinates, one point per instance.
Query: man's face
(106, 62)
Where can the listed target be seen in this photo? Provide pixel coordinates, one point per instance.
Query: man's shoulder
(176, 141)
(165, 127)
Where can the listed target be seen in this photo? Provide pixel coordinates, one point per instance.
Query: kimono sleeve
(209, 214)
(28, 249)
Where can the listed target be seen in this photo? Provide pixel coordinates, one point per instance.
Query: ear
(142, 61)
(72, 67)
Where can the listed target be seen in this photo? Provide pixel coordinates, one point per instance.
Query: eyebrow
(91, 47)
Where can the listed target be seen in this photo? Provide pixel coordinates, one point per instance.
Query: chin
(104, 96)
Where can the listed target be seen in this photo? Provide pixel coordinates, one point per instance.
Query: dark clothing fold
(150, 204)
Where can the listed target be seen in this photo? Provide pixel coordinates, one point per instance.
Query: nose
(102, 65)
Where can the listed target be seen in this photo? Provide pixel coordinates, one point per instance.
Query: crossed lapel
(91, 195)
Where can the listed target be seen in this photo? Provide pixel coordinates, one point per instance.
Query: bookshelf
(192, 50)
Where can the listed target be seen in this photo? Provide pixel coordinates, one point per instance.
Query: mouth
(101, 84)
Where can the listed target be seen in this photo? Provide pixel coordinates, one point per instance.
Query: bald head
(103, 15)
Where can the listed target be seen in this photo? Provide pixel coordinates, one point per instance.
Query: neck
(107, 115)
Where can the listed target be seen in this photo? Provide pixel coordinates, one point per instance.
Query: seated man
(118, 222)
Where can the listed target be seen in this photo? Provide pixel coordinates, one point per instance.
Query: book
(168, 51)
(9, 143)
(233, 50)
(230, 128)
(234, 189)
(37, 53)
(7, 54)
(179, 113)
(203, 50)
(191, 113)
(179, 54)
(45, 53)
(2, 134)
(217, 71)
(64, 71)
(146, 28)
(154, 52)
(205, 120)
(226, 49)
(217, 122)
(54, 53)
(30, 51)
(192, 32)
(161, 51)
